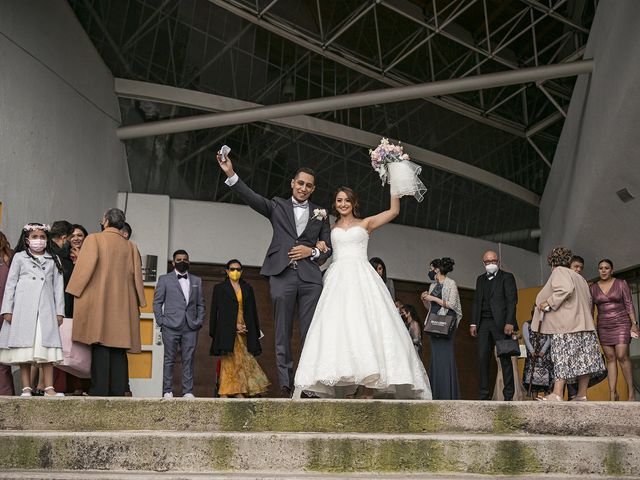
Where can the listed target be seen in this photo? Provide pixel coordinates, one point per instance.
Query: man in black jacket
(494, 318)
(61, 230)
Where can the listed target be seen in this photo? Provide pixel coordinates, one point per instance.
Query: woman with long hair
(357, 342)
(617, 323)
(6, 253)
(443, 299)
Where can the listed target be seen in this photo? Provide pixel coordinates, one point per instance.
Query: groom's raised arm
(262, 205)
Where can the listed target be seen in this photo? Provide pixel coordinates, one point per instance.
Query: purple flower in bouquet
(384, 154)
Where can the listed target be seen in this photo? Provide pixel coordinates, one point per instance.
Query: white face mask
(492, 268)
(37, 245)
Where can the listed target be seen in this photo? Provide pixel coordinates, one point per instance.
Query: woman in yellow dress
(235, 330)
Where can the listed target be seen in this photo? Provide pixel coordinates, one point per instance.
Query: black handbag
(508, 347)
(440, 325)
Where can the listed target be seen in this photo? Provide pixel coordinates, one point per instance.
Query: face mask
(101, 227)
(491, 269)
(182, 266)
(37, 245)
(235, 276)
(431, 275)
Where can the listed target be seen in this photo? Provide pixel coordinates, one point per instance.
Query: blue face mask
(431, 275)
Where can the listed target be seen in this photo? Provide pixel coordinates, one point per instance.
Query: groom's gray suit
(286, 283)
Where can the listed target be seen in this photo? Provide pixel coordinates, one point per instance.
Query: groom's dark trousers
(286, 288)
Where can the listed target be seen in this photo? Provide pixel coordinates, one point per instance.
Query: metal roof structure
(268, 52)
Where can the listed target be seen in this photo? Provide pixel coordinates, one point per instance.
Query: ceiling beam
(206, 101)
(354, 100)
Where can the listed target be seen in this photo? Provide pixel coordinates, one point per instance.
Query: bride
(357, 339)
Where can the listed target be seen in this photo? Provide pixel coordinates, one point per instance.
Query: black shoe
(308, 394)
(285, 392)
(38, 393)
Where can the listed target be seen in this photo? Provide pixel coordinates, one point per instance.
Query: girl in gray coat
(33, 308)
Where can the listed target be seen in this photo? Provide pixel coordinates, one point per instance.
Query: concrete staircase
(204, 438)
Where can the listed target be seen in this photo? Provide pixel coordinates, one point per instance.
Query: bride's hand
(322, 246)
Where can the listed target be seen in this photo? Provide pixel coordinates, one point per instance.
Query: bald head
(490, 257)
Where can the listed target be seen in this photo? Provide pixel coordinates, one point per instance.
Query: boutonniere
(319, 214)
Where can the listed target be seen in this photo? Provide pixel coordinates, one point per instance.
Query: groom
(292, 258)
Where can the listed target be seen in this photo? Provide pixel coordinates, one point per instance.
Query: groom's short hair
(306, 170)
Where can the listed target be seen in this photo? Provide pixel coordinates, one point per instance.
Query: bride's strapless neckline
(350, 228)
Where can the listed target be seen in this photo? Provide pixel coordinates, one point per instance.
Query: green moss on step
(24, 453)
(336, 455)
(514, 457)
(507, 420)
(318, 416)
(222, 452)
(613, 464)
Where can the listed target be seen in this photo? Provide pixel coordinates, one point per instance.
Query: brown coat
(107, 284)
(570, 299)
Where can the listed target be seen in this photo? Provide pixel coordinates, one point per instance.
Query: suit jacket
(170, 307)
(67, 269)
(502, 302)
(224, 314)
(279, 211)
(569, 297)
(107, 283)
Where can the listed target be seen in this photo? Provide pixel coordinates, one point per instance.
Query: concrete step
(275, 415)
(171, 451)
(122, 475)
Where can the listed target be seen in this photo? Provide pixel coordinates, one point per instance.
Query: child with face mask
(33, 308)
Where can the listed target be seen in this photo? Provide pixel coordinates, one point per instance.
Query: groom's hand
(225, 165)
(299, 252)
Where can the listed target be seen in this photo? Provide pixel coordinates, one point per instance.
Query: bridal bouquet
(394, 168)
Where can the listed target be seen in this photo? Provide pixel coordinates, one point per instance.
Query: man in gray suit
(292, 260)
(178, 305)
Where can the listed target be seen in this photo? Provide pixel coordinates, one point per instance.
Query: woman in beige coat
(107, 283)
(563, 310)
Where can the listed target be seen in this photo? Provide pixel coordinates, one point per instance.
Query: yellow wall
(140, 363)
(600, 392)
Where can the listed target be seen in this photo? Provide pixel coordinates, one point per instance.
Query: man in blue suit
(178, 305)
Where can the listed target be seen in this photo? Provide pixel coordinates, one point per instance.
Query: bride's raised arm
(376, 221)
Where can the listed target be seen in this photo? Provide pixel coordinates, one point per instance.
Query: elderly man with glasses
(494, 318)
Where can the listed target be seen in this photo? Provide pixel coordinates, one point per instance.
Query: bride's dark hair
(353, 199)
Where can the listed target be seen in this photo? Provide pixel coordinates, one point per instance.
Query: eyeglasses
(235, 269)
(489, 262)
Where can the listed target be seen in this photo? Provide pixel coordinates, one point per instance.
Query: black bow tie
(182, 276)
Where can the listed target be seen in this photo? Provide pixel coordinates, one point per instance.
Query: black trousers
(109, 371)
(488, 333)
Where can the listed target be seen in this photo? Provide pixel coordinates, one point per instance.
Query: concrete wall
(59, 156)
(217, 232)
(598, 150)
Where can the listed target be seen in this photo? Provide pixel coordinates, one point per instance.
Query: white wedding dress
(357, 336)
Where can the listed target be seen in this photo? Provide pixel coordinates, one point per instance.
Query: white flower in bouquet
(384, 154)
(394, 168)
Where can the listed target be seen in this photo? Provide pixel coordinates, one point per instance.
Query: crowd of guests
(562, 342)
(59, 273)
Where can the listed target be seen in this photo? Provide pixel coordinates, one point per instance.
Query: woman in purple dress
(616, 324)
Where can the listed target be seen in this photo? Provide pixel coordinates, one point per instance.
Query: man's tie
(490, 276)
(185, 276)
(304, 204)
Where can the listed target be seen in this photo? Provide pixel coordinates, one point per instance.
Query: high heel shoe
(26, 392)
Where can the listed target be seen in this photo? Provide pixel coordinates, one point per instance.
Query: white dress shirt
(298, 212)
(184, 285)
